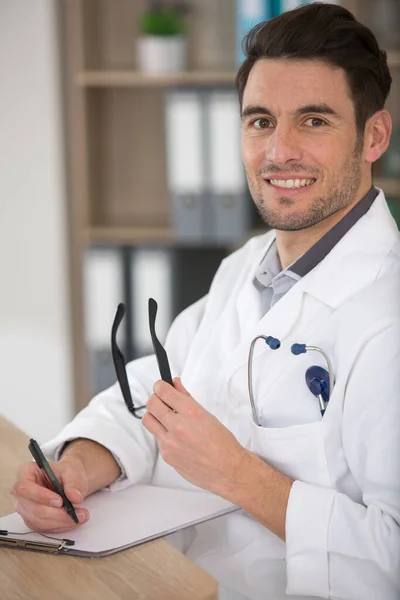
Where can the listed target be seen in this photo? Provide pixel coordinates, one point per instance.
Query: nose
(283, 145)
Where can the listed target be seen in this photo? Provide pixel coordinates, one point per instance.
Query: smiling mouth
(289, 184)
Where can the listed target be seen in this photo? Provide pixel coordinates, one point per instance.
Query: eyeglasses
(119, 359)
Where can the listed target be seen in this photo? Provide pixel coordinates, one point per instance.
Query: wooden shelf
(129, 235)
(389, 185)
(143, 236)
(135, 79)
(188, 78)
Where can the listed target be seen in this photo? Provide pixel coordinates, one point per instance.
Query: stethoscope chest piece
(317, 380)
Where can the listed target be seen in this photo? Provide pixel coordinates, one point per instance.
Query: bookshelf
(117, 185)
(133, 79)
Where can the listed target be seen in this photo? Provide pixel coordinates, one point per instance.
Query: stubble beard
(320, 207)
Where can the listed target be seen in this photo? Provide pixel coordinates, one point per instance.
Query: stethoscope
(318, 380)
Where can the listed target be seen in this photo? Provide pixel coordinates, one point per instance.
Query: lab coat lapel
(248, 305)
(278, 322)
(356, 260)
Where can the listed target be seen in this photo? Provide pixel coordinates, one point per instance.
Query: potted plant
(161, 46)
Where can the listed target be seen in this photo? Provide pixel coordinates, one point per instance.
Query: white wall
(35, 366)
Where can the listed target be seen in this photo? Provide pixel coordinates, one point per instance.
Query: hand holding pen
(42, 462)
(40, 505)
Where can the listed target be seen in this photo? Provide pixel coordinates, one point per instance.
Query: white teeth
(291, 183)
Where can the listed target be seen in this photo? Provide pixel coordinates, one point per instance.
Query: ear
(377, 135)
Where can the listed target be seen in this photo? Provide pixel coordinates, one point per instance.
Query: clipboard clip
(61, 543)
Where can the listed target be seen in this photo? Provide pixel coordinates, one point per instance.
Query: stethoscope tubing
(250, 378)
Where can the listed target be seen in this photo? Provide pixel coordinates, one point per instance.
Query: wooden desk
(153, 571)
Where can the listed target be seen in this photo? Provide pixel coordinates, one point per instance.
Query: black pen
(42, 462)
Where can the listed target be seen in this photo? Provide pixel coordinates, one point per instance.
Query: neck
(292, 244)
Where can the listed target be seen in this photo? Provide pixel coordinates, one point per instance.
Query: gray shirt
(273, 282)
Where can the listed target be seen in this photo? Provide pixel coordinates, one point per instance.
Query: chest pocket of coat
(291, 435)
(298, 451)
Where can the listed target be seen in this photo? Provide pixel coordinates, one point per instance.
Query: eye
(262, 123)
(315, 122)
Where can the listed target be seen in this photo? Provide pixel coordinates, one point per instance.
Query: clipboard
(119, 521)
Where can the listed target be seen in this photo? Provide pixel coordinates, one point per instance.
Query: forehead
(285, 84)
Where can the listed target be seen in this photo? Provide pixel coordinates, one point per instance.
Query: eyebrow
(322, 109)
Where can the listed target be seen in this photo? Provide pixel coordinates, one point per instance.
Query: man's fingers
(159, 410)
(40, 506)
(178, 385)
(72, 487)
(44, 518)
(153, 425)
(176, 399)
(28, 489)
(32, 485)
(57, 525)
(73, 481)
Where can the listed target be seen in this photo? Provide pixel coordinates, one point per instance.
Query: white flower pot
(161, 54)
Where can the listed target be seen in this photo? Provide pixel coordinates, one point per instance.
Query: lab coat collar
(356, 260)
(353, 263)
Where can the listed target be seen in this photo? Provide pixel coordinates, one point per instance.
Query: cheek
(253, 152)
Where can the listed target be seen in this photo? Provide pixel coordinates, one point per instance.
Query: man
(321, 496)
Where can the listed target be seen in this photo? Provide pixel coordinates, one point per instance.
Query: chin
(285, 220)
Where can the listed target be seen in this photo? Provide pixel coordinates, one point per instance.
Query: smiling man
(313, 460)
(302, 158)
(306, 161)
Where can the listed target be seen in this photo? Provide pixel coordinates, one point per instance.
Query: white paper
(131, 516)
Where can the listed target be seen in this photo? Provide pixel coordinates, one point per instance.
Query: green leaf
(165, 21)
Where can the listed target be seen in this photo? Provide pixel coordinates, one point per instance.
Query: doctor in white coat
(320, 494)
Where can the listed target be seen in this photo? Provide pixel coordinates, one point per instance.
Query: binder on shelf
(103, 290)
(151, 277)
(119, 521)
(207, 185)
(229, 217)
(248, 14)
(185, 164)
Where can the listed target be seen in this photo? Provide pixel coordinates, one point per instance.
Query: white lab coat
(342, 526)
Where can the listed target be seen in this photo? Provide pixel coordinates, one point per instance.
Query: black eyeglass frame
(119, 359)
(119, 363)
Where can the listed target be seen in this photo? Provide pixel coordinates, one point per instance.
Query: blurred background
(121, 179)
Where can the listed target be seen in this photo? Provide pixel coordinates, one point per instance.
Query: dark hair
(330, 33)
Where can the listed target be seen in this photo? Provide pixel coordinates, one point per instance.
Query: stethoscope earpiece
(297, 349)
(272, 342)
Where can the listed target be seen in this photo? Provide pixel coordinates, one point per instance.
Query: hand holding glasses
(119, 359)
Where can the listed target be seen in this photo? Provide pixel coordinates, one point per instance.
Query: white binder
(151, 276)
(185, 164)
(103, 290)
(230, 204)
